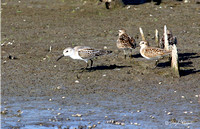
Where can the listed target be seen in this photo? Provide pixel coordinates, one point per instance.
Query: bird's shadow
(136, 2)
(110, 67)
(188, 72)
(186, 56)
(136, 56)
(164, 64)
(183, 62)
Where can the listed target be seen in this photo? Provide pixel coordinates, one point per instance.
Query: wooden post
(157, 37)
(142, 34)
(175, 62)
(166, 38)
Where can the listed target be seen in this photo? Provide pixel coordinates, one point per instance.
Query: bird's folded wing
(127, 41)
(86, 53)
(153, 52)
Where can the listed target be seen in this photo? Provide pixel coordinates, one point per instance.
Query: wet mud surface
(39, 92)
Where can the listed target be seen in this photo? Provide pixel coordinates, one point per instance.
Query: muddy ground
(37, 91)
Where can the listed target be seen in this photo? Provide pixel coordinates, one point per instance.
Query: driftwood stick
(142, 34)
(175, 62)
(166, 38)
(157, 37)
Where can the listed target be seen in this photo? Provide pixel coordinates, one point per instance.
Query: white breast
(74, 55)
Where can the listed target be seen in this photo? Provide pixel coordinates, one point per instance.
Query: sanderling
(125, 42)
(84, 53)
(171, 39)
(152, 53)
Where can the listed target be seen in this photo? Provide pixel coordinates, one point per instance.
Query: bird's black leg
(124, 56)
(91, 63)
(130, 53)
(156, 63)
(170, 59)
(125, 53)
(107, 5)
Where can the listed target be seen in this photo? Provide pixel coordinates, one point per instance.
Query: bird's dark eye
(66, 51)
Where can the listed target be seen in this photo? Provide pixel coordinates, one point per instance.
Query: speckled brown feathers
(171, 39)
(124, 41)
(152, 52)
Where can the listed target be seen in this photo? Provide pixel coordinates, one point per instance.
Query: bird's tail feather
(103, 52)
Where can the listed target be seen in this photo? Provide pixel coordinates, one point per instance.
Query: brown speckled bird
(171, 39)
(152, 53)
(125, 42)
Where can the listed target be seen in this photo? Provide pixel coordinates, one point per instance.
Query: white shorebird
(125, 42)
(152, 53)
(84, 53)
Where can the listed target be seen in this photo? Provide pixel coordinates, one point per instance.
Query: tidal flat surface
(39, 92)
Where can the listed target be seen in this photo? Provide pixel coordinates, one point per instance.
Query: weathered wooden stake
(142, 34)
(157, 37)
(166, 38)
(175, 62)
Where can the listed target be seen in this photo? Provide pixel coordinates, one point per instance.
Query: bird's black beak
(60, 57)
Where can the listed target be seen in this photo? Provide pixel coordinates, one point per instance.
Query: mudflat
(39, 92)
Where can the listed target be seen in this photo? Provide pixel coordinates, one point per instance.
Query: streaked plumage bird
(171, 39)
(84, 53)
(152, 53)
(125, 42)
